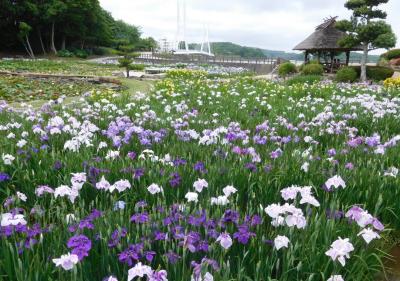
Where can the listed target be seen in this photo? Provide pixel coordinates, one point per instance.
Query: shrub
(304, 79)
(83, 54)
(310, 62)
(137, 67)
(313, 69)
(346, 74)
(180, 65)
(104, 51)
(392, 82)
(379, 73)
(286, 69)
(392, 54)
(65, 54)
(376, 73)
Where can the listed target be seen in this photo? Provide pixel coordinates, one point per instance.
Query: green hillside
(231, 49)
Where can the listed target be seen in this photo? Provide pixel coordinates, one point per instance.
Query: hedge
(376, 73)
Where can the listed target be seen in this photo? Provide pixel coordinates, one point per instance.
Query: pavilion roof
(325, 38)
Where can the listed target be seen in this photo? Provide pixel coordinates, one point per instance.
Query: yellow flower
(392, 82)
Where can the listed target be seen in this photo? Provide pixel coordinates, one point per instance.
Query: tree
(23, 35)
(147, 44)
(54, 11)
(125, 34)
(43, 25)
(127, 59)
(367, 29)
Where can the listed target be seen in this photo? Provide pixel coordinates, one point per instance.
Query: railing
(194, 58)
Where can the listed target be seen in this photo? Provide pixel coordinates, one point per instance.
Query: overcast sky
(268, 24)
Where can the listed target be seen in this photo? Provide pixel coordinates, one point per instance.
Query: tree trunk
(41, 41)
(52, 45)
(26, 48)
(127, 72)
(364, 59)
(64, 39)
(31, 54)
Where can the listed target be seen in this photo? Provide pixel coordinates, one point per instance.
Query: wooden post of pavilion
(332, 58)
(347, 58)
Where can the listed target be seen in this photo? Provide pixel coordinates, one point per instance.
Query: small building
(324, 43)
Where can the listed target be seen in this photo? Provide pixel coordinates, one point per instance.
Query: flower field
(205, 180)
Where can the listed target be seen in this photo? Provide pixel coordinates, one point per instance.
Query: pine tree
(367, 29)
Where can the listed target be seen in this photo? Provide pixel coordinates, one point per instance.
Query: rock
(395, 62)
(135, 74)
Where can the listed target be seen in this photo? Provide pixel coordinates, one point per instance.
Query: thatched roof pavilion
(325, 39)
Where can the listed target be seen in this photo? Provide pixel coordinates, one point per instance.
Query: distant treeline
(43, 26)
(231, 49)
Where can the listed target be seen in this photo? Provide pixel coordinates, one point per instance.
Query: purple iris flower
(149, 255)
(199, 166)
(179, 162)
(138, 173)
(172, 257)
(131, 155)
(131, 255)
(251, 166)
(4, 177)
(57, 165)
(175, 180)
(230, 216)
(80, 241)
(140, 218)
(243, 234)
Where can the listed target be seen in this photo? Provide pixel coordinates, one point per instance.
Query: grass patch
(58, 66)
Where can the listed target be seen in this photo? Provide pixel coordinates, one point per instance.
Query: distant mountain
(231, 49)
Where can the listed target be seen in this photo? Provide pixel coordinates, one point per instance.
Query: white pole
(208, 40)
(203, 40)
(184, 25)
(178, 22)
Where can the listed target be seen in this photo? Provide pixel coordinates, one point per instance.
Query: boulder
(395, 62)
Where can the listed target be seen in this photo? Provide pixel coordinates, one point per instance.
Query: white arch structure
(181, 46)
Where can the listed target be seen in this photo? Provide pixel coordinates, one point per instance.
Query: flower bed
(204, 180)
(60, 66)
(16, 89)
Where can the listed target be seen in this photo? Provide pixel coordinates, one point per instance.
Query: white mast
(184, 25)
(206, 40)
(181, 26)
(181, 44)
